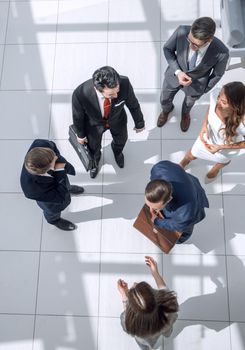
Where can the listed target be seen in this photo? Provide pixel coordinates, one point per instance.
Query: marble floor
(58, 289)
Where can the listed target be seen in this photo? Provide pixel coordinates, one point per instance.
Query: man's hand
(213, 148)
(52, 165)
(139, 130)
(59, 166)
(184, 79)
(82, 141)
(122, 286)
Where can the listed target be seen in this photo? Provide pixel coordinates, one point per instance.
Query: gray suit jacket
(206, 74)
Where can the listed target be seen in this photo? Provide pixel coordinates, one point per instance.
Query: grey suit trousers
(167, 95)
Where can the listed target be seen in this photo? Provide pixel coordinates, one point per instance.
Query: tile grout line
(226, 258)
(51, 95)
(4, 46)
(102, 192)
(49, 127)
(37, 286)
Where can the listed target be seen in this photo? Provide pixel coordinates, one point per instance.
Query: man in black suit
(44, 179)
(196, 62)
(98, 105)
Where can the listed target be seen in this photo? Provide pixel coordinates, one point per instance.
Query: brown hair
(147, 309)
(203, 28)
(235, 94)
(39, 159)
(158, 191)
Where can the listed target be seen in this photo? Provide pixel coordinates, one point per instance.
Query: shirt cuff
(177, 72)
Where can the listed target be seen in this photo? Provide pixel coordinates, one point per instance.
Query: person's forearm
(237, 145)
(205, 121)
(159, 280)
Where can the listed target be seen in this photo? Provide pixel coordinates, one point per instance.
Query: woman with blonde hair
(223, 130)
(148, 313)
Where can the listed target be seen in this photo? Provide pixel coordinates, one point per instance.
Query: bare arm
(204, 129)
(154, 270)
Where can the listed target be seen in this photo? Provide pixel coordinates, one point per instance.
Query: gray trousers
(167, 96)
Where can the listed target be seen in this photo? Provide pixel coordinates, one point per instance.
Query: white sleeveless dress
(216, 136)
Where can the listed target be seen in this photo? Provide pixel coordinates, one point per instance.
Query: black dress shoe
(94, 172)
(76, 190)
(65, 225)
(119, 158)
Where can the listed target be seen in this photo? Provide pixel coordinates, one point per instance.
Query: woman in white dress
(149, 314)
(223, 130)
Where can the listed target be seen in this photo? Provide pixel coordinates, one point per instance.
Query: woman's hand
(122, 286)
(204, 134)
(152, 264)
(213, 148)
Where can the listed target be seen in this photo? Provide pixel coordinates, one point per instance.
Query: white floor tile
(172, 16)
(35, 67)
(136, 173)
(75, 63)
(172, 128)
(26, 114)
(73, 284)
(12, 150)
(20, 337)
(112, 336)
(32, 22)
(118, 233)
(134, 20)
(200, 282)
(18, 275)
(85, 212)
(1, 59)
(199, 336)
(3, 20)
(58, 332)
(129, 267)
(238, 336)
(61, 114)
(82, 21)
(23, 230)
(234, 225)
(235, 271)
(144, 75)
(174, 150)
(208, 235)
(233, 177)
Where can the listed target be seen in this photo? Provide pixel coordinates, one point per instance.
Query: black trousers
(94, 136)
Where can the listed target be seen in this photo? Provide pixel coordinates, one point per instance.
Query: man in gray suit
(197, 60)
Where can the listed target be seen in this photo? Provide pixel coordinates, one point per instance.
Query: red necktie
(107, 107)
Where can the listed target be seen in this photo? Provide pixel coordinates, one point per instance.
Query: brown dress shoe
(163, 117)
(185, 122)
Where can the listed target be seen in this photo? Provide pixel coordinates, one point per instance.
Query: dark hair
(38, 160)
(203, 28)
(235, 94)
(147, 309)
(105, 77)
(158, 191)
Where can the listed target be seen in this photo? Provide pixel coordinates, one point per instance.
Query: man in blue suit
(44, 179)
(175, 198)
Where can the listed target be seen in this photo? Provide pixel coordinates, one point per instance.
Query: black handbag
(81, 150)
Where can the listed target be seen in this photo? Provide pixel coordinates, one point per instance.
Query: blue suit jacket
(52, 189)
(189, 198)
